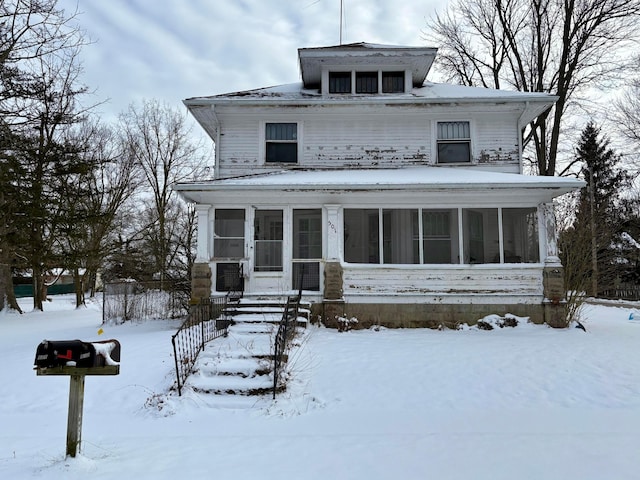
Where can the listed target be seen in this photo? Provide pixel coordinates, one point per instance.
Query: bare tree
(562, 47)
(94, 195)
(628, 110)
(160, 141)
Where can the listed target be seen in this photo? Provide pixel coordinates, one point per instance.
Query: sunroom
(418, 235)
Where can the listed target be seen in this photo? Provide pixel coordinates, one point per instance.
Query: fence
(123, 301)
(286, 332)
(622, 292)
(206, 321)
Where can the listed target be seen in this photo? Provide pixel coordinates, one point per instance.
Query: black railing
(286, 332)
(206, 321)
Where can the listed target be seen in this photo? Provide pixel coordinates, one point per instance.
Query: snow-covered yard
(522, 403)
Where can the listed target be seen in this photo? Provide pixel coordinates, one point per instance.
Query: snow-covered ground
(523, 403)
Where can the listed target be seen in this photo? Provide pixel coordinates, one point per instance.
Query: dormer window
(392, 82)
(366, 82)
(454, 142)
(339, 82)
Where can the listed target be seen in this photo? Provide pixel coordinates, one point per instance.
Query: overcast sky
(170, 50)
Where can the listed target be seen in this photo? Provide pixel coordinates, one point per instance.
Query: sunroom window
(281, 142)
(454, 142)
(520, 232)
(440, 236)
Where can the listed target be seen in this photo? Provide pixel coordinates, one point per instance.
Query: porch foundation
(401, 315)
(333, 302)
(555, 305)
(200, 282)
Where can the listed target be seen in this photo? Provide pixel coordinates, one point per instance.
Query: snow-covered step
(261, 317)
(225, 384)
(254, 328)
(241, 367)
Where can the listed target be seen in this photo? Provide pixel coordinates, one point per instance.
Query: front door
(268, 235)
(307, 249)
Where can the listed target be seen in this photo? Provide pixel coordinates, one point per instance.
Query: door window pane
(268, 240)
(228, 241)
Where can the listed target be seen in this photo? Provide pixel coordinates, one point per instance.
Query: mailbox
(77, 359)
(67, 356)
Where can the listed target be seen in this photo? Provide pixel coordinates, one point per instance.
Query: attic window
(339, 82)
(392, 82)
(281, 142)
(366, 82)
(454, 142)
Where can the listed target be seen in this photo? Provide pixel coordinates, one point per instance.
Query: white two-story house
(387, 197)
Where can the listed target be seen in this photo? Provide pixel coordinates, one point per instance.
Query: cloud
(169, 50)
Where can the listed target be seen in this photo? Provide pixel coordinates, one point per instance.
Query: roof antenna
(341, 7)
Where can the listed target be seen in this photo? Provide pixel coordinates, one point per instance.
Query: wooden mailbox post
(77, 359)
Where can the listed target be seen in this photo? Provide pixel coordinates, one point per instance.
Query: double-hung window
(281, 142)
(454, 142)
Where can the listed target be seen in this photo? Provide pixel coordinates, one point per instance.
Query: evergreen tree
(588, 246)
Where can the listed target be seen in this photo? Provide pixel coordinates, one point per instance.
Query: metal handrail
(286, 332)
(206, 321)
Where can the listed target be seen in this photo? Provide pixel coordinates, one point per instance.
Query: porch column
(201, 271)
(547, 222)
(333, 301)
(334, 231)
(555, 312)
(202, 243)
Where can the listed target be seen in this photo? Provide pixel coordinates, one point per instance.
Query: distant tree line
(77, 194)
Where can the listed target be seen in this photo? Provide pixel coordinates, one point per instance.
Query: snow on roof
(437, 92)
(354, 179)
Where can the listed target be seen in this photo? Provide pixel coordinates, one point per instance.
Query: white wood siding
(496, 140)
(362, 136)
(476, 280)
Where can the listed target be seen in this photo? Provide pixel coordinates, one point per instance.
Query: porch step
(241, 363)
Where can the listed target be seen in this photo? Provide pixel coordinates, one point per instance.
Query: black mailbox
(68, 355)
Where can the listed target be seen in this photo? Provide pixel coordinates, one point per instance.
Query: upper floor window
(339, 82)
(281, 142)
(454, 142)
(366, 82)
(392, 82)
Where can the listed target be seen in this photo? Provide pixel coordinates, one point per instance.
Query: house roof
(532, 103)
(427, 178)
(313, 60)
